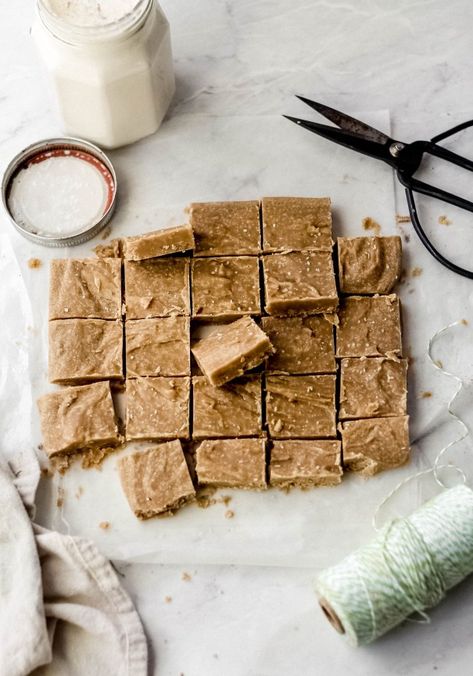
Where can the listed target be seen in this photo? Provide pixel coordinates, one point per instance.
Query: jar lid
(60, 192)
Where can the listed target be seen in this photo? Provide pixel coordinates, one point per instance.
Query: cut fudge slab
(371, 446)
(156, 481)
(231, 349)
(78, 418)
(85, 289)
(369, 265)
(225, 228)
(305, 463)
(295, 223)
(233, 410)
(83, 350)
(159, 243)
(369, 327)
(299, 283)
(372, 388)
(157, 288)
(300, 406)
(233, 463)
(302, 344)
(158, 408)
(225, 288)
(158, 347)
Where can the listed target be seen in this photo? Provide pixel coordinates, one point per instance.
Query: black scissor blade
(346, 122)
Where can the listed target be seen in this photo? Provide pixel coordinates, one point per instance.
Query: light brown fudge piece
(302, 344)
(301, 406)
(297, 223)
(78, 418)
(305, 463)
(368, 265)
(299, 283)
(111, 249)
(373, 445)
(156, 481)
(158, 347)
(231, 349)
(86, 289)
(233, 410)
(157, 288)
(226, 228)
(369, 327)
(157, 408)
(226, 287)
(84, 350)
(159, 243)
(232, 463)
(372, 388)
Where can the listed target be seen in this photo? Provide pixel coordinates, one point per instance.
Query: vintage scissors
(405, 158)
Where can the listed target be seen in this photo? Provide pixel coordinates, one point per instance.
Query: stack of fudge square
(222, 331)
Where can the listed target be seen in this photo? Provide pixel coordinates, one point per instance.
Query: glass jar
(114, 79)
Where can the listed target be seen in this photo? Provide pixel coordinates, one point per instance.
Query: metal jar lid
(97, 168)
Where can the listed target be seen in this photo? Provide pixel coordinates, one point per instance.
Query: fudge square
(78, 418)
(158, 347)
(373, 445)
(157, 288)
(305, 463)
(157, 408)
(299, 283)
(226, 287)
(368, 265)
(302, 344)
(300, 406)
(233, 410)
(372, 388)
(159, 243)
(156, 481)
(84, 350)
(232, 463)
(226, 228)
(369, 327)
(231, 349)
(86, 289)
(296, 223)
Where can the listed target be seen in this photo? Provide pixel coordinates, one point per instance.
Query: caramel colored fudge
(297, 223)
(85, 289)
(372, 388)
(225, 288)
(157, 408)
(158, 347)
(300, 406)
(233, 410)
(111, 249)
(156, 481)
(78, 418)
(226, 228)
(305, 463)
(369, 327)
(302, 344)
(231, 349)
(371, 446)
(299, 283)
(232, 463)
(83, 350)
(159, 243)
(157, 288)
(368, 265)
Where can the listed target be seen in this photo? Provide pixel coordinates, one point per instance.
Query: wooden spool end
(331, 616)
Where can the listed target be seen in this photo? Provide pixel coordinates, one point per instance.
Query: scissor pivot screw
(395, 148)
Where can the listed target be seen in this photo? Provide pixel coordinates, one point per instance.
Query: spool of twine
(407, 568)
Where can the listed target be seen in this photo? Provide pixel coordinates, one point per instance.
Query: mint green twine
(406, 569)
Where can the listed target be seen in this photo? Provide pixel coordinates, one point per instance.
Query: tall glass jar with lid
(111, 66)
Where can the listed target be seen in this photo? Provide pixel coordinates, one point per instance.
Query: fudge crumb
(168, 599)
(465, 322)
(46, 472)
(416, 272)
(186, 577)
(61, 463)
(226, 499)
(204, 497)
(60, 497)
(106, 232)
(104, 525)
(425, 395)
(94, 457)
(79, 492)
(369, 223)
(35, 263)
(402, 219)
(444, 220)
(229, 514)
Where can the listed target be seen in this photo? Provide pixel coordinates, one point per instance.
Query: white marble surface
(248, 58)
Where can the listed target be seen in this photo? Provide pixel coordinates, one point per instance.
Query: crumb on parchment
(168, 599)
(444, 220)
(416, 272)
(402, 219)
(369, 223)
(104, 525)
(186, 577)
(229, 514)
(425, 395)
(35, 263)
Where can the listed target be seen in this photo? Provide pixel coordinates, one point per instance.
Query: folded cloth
(62, 608)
